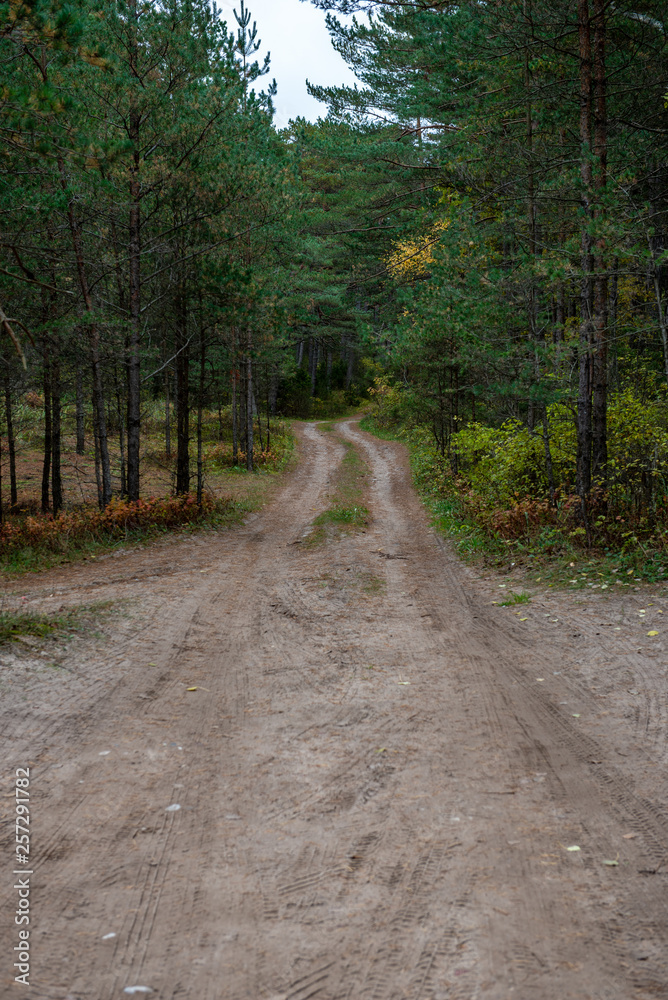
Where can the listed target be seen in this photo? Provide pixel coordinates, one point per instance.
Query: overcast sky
(296, 35)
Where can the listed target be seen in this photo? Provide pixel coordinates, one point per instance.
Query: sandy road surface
(376, 791)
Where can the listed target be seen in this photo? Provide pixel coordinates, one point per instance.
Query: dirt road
(378, 775)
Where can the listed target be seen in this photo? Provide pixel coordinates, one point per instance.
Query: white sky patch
(296, 36)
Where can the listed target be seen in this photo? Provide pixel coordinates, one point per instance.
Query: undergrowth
(518, 539)
(41, 541)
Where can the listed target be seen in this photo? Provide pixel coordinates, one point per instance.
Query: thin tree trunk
(168, 428)
(80, 414)
(235, 422)
(200, 405)
(11, 444)
(613, 373)
(313, 362)
(600, 319)
(121, 433)
(663, 318)
(56, 478)
(532, 303)
(134, 274)
(259, 424)
(548, 460)
(94, 345)
(351, 366)
(273, 395)
(98, 471)
(249, 401)
(584, 425)
(182, 400)
(46, 465)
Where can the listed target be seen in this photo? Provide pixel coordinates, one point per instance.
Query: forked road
(376, 794)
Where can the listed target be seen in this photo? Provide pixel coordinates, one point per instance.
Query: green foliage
(501, 463)
(353, 517)
(15, 624)
(513, 599)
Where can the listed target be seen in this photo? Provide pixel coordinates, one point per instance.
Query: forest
(472, 243)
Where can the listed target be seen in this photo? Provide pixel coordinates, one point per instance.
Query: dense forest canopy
(476, 234)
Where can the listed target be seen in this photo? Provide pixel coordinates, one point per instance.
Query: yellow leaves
(411, 259)
(653, 632)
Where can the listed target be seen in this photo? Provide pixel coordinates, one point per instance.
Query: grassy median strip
(347, 513)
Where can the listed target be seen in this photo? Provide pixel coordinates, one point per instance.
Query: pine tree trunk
(80, 413)
(46, 465)
(548, 460)
(249, 402)
(200, 406)
(11, 443)
(99, 418)
(613, 367)
(584, 416)
(273, 395)
(600, 319)
(182, 401)
(134, 274)
(98, 474)
(313, 362)
(235, 422)
(532, 299)
(560, 315)
(241, 406)
(168, 416)
(56, 478)
(121, 433)
(259, 423)
(351, 367)
(134, 370)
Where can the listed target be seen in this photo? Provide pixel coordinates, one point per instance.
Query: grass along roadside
(551, 560)
(19, 625)
(347, 512)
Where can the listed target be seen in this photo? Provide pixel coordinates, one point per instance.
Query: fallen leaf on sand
(653, 632)
(611, 864)
(191, 689)
(630, 836)
(573, 847)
